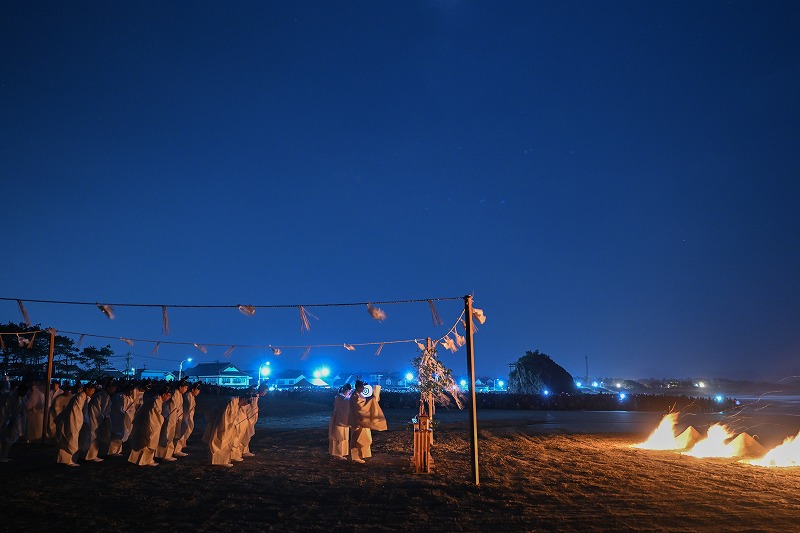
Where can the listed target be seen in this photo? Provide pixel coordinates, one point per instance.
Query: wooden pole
(46, 417)
(473, 412)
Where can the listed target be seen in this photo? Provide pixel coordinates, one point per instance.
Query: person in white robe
(147, 428)
(173, 411)
(57, 406)
(186, 426)
(123, 408)
(99, 421)
(365, 415)
(220, 435)
(252, 418)
(12, 411)
(34, 413)
(55, 392)
(339, 427)
(69, 424)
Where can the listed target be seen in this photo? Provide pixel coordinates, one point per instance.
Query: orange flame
(785, 455)
(663, 438)
(714, 445)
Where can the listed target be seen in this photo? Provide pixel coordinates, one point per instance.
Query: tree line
(25, 351)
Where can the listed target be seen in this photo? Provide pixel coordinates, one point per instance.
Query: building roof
(214, 369)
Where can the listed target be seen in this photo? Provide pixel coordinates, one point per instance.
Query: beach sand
(539, 471)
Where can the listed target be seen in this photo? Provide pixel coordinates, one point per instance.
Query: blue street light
(180, 369)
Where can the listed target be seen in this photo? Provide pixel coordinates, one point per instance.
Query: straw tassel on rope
(305, 353)
(437, 320)
(275, 351)
(200, 347)
(164, 320)
(304, 314)
(378, 351)
(154, 351)
(247, 310)
(229, 351)
(107, 310)
(129, 342)
(376, 313)
(24, 312)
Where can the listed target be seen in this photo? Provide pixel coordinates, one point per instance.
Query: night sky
(611, 180)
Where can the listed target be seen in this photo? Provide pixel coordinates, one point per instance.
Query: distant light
(578, 384)
(619, 385)
(622, 395)
(594, 384)
(701, 384)
(546, 392)
(409, 376)
(326, 372)
(500, 383)
(718, 397)
(190, 359)
(317, 373)
(265, 370)
(463, 383)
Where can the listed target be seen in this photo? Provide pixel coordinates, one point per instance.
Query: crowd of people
(153, 420)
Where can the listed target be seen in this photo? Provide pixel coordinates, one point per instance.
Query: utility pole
(128, 357)
(587, 370)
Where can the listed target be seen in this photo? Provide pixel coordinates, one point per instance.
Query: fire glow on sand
(720, 442)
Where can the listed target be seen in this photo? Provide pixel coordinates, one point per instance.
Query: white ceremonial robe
(186, 426)
(55, 410)
(365, 415)
(68, 429)
(220, 432)
(240, 431)
(146, 431)
(99, 429)
(173, 410)
(339, 427)
(34, 416)
(122, 411)
(251, 410)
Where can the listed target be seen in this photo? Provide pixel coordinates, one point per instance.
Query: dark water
(770, 418)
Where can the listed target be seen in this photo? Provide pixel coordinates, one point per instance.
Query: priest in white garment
(69, 425)
(147, 428)
(365, 415)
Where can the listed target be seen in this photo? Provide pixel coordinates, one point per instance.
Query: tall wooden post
(46, 417)
(473, 410)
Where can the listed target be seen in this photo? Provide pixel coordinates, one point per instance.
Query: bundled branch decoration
(305, 353)
(378, 351)
(129, 342)
(275, 351)
(435, 381)
(349, 347)
(154, 351)
(200, 347)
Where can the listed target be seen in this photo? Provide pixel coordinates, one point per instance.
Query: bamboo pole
(473, 413)
(46, 417)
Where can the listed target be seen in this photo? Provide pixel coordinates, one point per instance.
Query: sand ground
(539, 471)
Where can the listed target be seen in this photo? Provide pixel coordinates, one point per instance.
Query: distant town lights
(409, 376)
(500, 383)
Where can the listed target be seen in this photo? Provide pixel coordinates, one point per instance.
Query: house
(155, 375)
(216, 373)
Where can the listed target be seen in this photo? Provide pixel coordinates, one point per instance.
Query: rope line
(186, 306)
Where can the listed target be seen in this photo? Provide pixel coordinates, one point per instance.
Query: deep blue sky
(613, 180)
